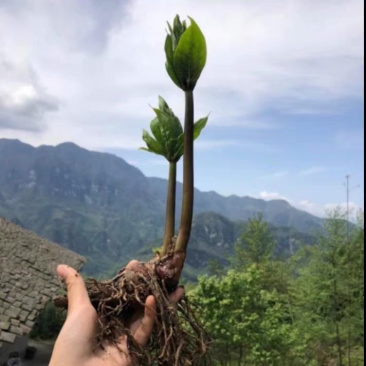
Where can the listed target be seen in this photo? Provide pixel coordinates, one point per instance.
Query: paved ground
(43, 355)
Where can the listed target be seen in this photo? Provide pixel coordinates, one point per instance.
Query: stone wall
(28, 279)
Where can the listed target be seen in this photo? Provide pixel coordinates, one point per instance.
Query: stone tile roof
(28, 278)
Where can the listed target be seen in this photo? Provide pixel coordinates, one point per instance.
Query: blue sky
(283, 85)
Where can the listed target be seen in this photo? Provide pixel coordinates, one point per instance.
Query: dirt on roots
(178, 338)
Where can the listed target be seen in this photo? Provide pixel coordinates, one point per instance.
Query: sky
(283, 85)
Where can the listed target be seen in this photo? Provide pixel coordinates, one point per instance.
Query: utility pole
(348, 177)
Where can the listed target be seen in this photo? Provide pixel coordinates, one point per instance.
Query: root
(178, 338)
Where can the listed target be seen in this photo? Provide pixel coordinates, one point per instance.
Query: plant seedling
(168, 141)
(178, 338)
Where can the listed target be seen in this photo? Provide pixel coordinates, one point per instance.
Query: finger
(77, 294)
(144, 330)
(134, 264)
(177, 295)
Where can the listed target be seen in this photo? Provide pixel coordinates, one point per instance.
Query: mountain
(277, 212)
(214, 236)
(100, 206)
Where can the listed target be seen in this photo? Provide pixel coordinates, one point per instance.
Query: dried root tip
(61, 302)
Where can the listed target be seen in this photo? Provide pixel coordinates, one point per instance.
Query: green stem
(188, 177)
(170, 208)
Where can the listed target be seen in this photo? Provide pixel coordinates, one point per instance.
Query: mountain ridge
(100, 206)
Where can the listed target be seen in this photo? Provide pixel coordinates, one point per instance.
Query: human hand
(76, 343)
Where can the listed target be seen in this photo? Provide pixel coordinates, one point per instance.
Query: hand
(76, 343)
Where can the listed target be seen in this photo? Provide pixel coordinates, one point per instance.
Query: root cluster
(178, 338)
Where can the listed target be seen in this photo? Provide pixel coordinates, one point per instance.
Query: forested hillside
(100, 206)
(307, 310)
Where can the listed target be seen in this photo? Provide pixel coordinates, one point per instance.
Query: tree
(49, 322)
(328, 294)
(247, 323)
(306, 311)
(256, 245)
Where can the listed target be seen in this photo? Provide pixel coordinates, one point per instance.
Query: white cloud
(275, 175)
(132, 162)
(310, 207)
(23, 101)
(323, 210)
(280, 174)
(350, 139)
(307, 204)
(215, 144)
(311, 171)
(105, 63)
(150, 162)
(268, 196)
(354, 208)
(156, 162)
(204, 144)
(320, 210)
(244, 122)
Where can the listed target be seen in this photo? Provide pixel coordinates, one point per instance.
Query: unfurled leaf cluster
(167, 133)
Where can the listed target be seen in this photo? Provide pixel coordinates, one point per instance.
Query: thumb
(144, 330)
(77, 294)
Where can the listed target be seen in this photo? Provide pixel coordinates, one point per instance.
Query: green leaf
(163, 105)
(168, 133)
(170, 70)
(190, 56)
(179, 147)
(176, 148)
(177, 25)
(146, 149)
(155, 129)
(152, 144)
(178, 29)
(170, 27)
(199, 126)
(169, 48)
(157, 112)
(171, 129)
